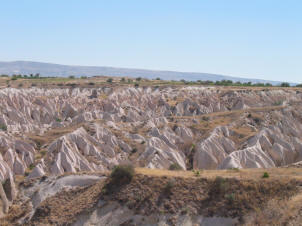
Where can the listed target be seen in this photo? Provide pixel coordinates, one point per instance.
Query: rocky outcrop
(158, 154)
(137, 120)
(212, 151)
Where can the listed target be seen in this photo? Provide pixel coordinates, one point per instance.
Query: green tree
(285, 84)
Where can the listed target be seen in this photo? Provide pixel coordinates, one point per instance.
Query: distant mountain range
(48, 69)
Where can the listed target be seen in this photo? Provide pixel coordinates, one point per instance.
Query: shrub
(278, 103)
(220, 185)
(158, 78)
(136, 85)
(122, 174)
(72, 84)
(122, 80)
(134, 150)
(20, 85)
(138, 79)
(265, 175)
(3, 127)
(196, 172)
(71, 77)
(257, 120)
(230, 197)
(205, 118)
(168, 187)
(58, 120)
(31, 166)
(83, 77)
(175, 166)
(109, 80)
(91, 83)
(14, 78)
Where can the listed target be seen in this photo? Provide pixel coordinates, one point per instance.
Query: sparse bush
(58, 120)
(3, 127)
(169, 186)
(31, 166)
(196, 173)
(109, 80)
(122, 80)
(230, 197)
(122, 174)
(158, 78)
(205, 118)
(136, 85)
(72, 84)
(138, 79)
(278, 103)
(20, 85)
(71, 77)
(265, 175)
(83, 77)
(175, 166)
(91, 83)
(220, 185)
(14, 78)
(257, 120)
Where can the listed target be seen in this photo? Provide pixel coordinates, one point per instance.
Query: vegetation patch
(122, 174)
(225, 197)
(175, 166)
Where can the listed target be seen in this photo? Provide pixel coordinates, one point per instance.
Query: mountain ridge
(52, 69)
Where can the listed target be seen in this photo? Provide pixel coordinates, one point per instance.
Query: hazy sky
(247, 38)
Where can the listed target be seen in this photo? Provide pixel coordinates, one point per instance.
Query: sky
(246, 38)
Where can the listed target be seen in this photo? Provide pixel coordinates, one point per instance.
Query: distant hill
(48, 69)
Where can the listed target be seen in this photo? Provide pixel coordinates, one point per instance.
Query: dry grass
(63, 208)
(247, 174)
(16, 211)
(52, 134)
(230, 193)
(226, 197)
(278, 212)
